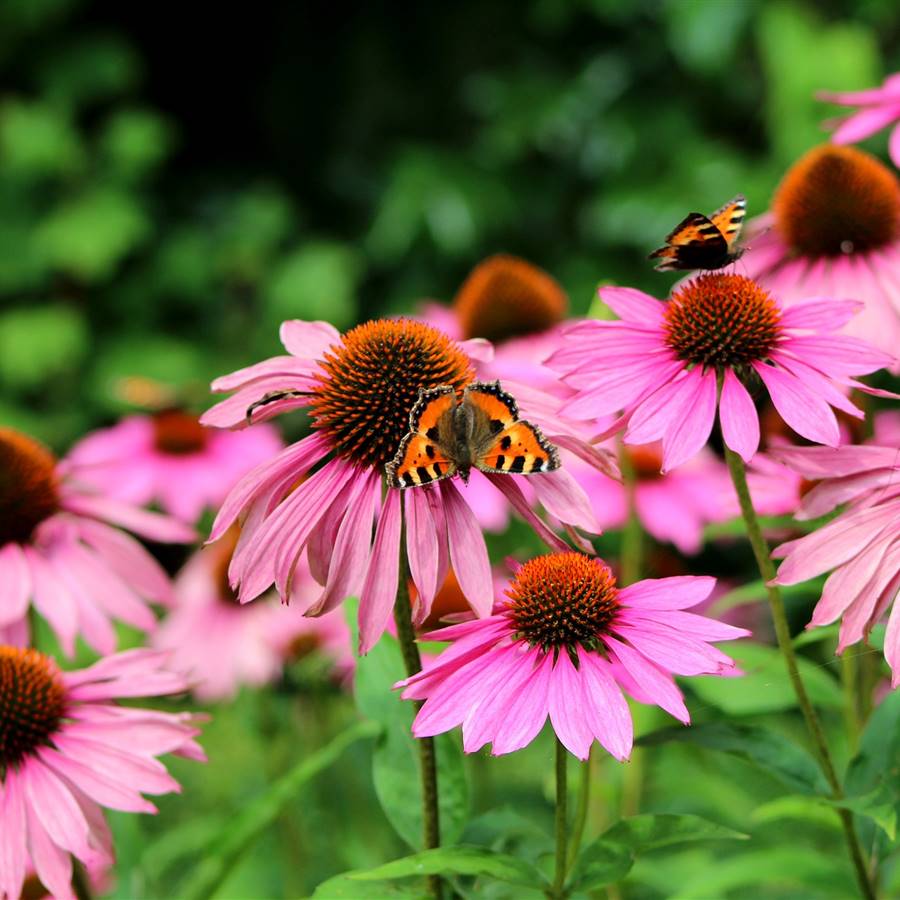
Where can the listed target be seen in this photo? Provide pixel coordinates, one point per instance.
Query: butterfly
(699, 242)
(483, 430)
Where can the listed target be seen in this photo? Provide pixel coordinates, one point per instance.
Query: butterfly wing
(503, 442)
(730, 218)
(695, 243)
(421, 458)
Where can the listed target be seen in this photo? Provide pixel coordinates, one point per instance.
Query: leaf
(649, 832)
(458, 860)
(346, 887)
(395, 768)
(876, 767)
(598, 864)
(879, 805)
(248, 824)
(771, 752)
(796, 806)
(765, 686)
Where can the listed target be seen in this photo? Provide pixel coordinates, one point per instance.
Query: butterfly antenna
(272, 397)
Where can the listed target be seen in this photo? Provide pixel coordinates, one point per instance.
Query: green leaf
(796, 806)
(765, 686)
(458, 860)
(771, 752)
(598, 864)
(346, 887)
(874, 773)
(649, 832)
(38, 140)
(395, 763)
(248, 824)
(879, 805)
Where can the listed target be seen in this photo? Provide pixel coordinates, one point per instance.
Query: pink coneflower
(834, 231)
(661, 362)
(59, 551)
(879, 108)
(861, 547)
(359, 389)
(170, 458)
(672, 508)
(67, 750)
(564, 644)
(220, 644)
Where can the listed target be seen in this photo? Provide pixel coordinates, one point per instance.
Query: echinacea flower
(673, 507)
(878, 108)
(322, 495)
(221, 644)
(860, 547)
(834, 231)
(67, 750)
(170, 458)
(564, 643)
(60, 551)
(661, 363)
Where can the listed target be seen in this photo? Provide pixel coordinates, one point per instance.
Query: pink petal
(568, 705)
(421, 547)
(478, 349)
(379, 590)
(468, 552)
(678, 592)
(307, 340)
(56, 809)
(13, 852)
(803, 411)
(693, 426)
(606, 711)
(674, 652)
(864, 123)
(892, 644)
(527, 712)
(820, 314)
(657, 685)
(561, 495)
(52, 599)
(52, 864)
(513, 493)
(16, 584)
(738, 417)
(153, 526)
(632, 305)
(894, 146)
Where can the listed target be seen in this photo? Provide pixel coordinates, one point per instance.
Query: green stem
(427, 760)
(559, 879)
(849, 680)
(632, 552)
(581, 811)
(782, 632)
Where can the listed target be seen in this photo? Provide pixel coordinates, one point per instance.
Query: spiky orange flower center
(28, 486)
(722, 321)
(563, 600)
(178, 433)
(371, 380)
(32, 702)
(837, 200)
(505, 296)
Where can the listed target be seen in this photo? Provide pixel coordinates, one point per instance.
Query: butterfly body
(481, 431)
(704, 242)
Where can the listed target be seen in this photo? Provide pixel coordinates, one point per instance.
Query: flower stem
(849, 680)
(559, 879)
(632, 551)
(427, 760)
(581, 811)
(782, 632)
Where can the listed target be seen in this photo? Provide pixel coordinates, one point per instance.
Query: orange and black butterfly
(704, 243)
(483, 430)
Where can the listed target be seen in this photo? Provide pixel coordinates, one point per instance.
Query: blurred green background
(173, 184)
(177, 180)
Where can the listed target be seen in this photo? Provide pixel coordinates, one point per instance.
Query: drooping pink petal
(16, 584)
(739, 419)
(660, 688)
(568, 706)
(513, 493)
(421, 548)
(606, 712)
(563, 497)
(51, 863)
(55, 807)
(801, 409)
(527, 712)
(379, 590)
(153, 526)
(690, 431)
(13, 852)
(468, 552)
